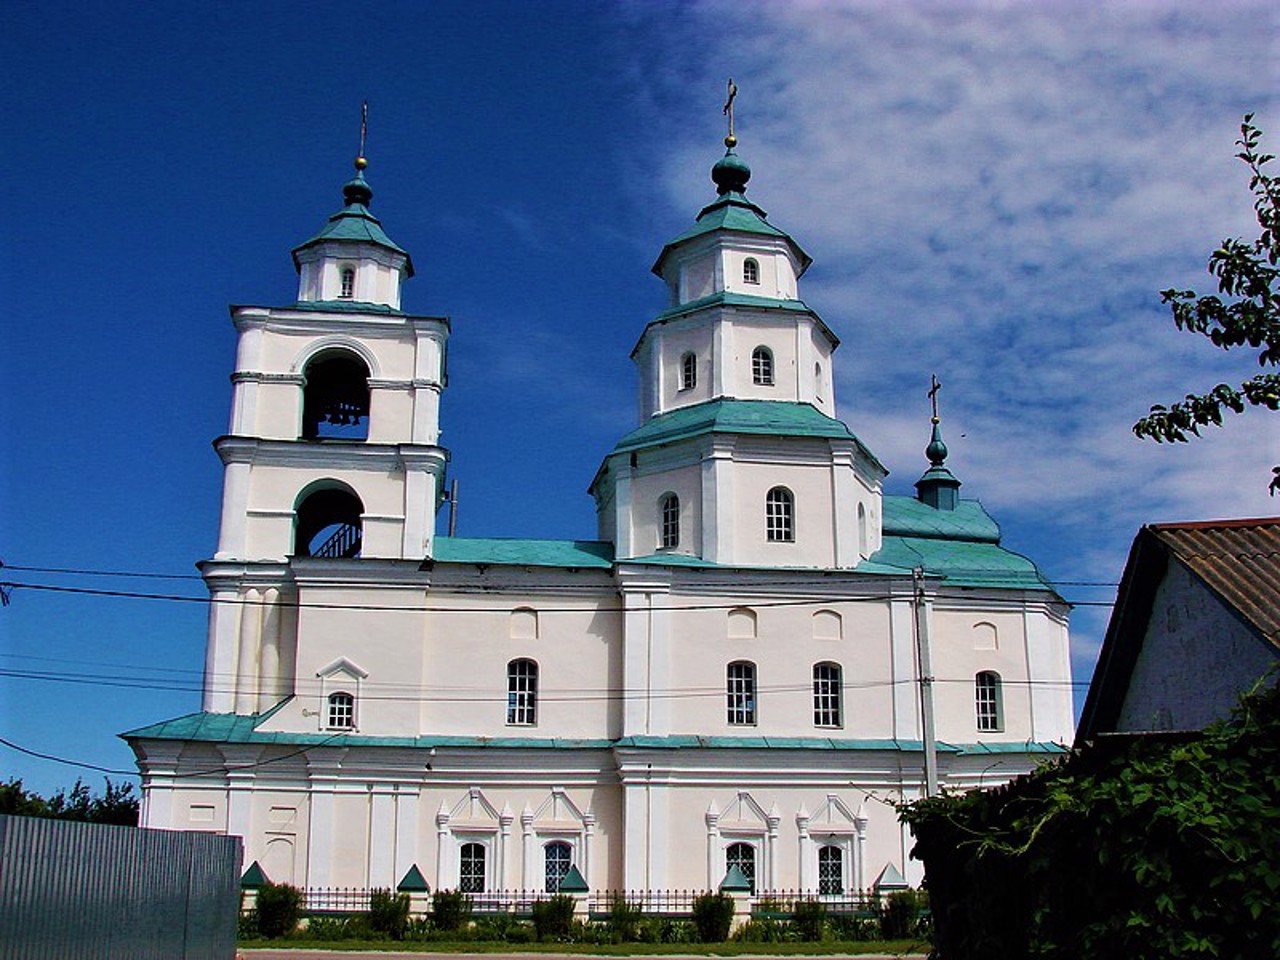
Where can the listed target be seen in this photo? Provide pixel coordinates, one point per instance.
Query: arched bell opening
(335, 400)
(328, 523)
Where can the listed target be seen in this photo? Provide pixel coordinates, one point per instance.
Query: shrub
(247, 927)
(624, 919)
(808, 918)
(450, 909)
(763, 930)
(898, 914)
(279, 908)
(521, 933)
(389, 913)
(712, 917)
(553, 918)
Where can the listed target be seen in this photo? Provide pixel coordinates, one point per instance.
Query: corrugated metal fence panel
(91, 891)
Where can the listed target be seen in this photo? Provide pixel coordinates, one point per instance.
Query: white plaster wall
(673, 343)
(655, 476)
(810, 484)
(1196, 659)
(957, 660)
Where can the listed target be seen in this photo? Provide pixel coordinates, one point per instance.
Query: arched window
(827, 690)
(348, 281)
(522, 693)
(670, 536)
(742, 856)
(830, 870)
(827, 625)
(987, 702)
(335, 400)
(780, 515)
(740, 692)
(342, 711)
(557, 856)
(471, 872)
(328, 523)
(762, 367)
(862, 530)
(750, 270)
(688, 371)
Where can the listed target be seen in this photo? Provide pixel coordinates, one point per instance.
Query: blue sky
(994, 192)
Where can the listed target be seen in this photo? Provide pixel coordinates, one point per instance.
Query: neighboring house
(728, 677)
(1196, 623)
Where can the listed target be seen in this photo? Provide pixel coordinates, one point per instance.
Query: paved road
(278, 954)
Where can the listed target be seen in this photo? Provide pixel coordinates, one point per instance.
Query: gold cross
(728, 106)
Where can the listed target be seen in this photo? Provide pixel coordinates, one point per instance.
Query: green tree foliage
(1137, 847)
(389, 913)
(553, 918)
(116, 804)
(279, 908)
(450, 909)
(712, 917)
(1247, 273)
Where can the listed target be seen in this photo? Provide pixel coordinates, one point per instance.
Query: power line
(151, 575)
(506, 608)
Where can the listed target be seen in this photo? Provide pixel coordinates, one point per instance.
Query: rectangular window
(826, 695)
(741, 693)
(987, 701)
(522, 693)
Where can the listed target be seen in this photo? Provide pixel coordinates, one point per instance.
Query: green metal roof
(735, 881)
(413, 881)
(345, 306)
(958, 562)
(355, 224)
(774, 418)
(528, 553)
(732, 211)
(724, 298)
(908, 517)
(237, 728)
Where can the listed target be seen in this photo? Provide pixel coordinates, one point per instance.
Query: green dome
(730, 174)
(357, 190)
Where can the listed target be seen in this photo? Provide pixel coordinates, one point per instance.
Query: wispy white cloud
(997, 192)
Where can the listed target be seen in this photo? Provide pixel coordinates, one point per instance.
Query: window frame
(522, 692)
(762, 367)
(340, 705)
(467, 878)
(988, 702)
(825, 866)
(828, 694)
(751, 271)
(741, 708)
(688, 371)
(346, 283)
(734, 856)
(780, 515)
(669, 521)
(551, 884)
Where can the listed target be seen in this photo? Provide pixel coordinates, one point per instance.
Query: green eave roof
(776, 418)
(345, 306)
(908, 517)
(237, 728)
(733, 212)
(354, 223)
(527, 553)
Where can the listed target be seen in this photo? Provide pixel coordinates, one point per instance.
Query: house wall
(1195, 659)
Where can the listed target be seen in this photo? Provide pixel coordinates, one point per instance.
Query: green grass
(824, 948)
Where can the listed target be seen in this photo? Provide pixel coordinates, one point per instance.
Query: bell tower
(738, 459)
(333, 448)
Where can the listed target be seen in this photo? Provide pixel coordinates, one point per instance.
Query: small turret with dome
(938, 487)
(352, 260)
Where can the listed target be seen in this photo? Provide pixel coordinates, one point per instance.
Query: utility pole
(924, 662)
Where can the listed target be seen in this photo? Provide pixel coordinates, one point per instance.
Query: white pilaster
(444, 876)
(526, 849)
(805, 866)
(382, 837)
(324, 770)
(406, 818)
(220, 654)
(247, 660)
(713, 845)
(235, 503)
(906, 701)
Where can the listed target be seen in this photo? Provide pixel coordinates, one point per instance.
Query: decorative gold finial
(361, 162)
(934, 386)
(730, 141)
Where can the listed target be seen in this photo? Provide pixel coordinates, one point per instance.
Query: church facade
(744, 669)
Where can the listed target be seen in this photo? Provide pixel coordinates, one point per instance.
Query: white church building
(742, 670)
